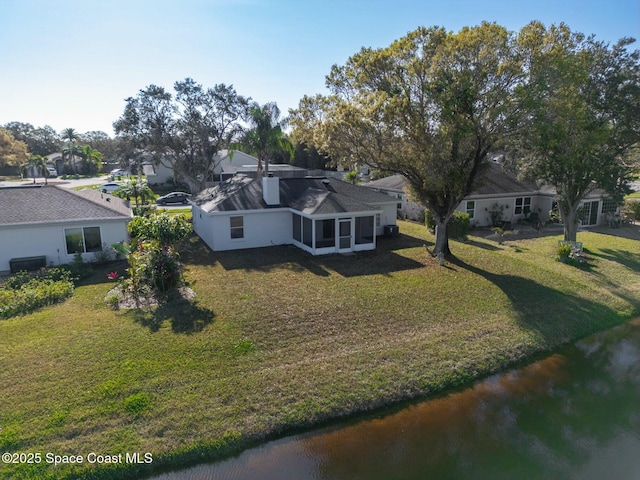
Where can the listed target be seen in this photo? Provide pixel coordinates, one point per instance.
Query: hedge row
(24, 293)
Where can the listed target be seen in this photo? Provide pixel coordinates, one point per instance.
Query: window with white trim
(609, 205)
(83, 240)
(471, 208)
(237, 227)
(523, 205)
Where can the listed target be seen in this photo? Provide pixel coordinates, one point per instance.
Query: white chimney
(271, 190)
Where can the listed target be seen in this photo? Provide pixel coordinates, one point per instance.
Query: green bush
(632, 207)
(458, 226)
(564, 250)
(24, 292)
(153, 259)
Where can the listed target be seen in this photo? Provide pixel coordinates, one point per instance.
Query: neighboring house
(394, 186)
(278, 170)
(57, 160)
(230, 161)
(226, 163)
(57, 223)
(318, 215)
(157, 174)
(500, 198)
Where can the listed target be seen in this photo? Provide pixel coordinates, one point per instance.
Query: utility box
(391, 230)
(29, 264)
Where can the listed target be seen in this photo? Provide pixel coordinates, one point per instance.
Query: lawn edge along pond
(277, 341)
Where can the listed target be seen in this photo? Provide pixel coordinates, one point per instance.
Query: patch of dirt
(118, 299)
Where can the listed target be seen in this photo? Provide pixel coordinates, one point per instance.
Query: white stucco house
(317, 214)
(52, 224)
(225, 161)
(501, 198)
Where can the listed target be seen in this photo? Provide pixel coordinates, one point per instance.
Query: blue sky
(71, 63)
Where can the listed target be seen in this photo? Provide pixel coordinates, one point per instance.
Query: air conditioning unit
(391, 230)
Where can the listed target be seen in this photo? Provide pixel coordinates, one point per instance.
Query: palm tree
(139, 191)
(93, 159)
(38, 164)
(70, 136)
(266, 136)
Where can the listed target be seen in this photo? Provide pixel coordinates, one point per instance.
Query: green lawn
(280, 340)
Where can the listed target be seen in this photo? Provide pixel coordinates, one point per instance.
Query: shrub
(458, 226)
(564, 250)
(79, 270)
(20, 296)
(632, 207)
(152, 256)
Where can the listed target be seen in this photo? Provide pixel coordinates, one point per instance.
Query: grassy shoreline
(279, 340)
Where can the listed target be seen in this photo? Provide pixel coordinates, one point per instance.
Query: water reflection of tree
(546, 420)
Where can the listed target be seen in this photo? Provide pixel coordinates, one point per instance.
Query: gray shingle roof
(393, 182)
(496, 181)
(308, 195)
(51, 204)
(493, 181)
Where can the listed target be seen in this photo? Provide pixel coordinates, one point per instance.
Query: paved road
(70, 183)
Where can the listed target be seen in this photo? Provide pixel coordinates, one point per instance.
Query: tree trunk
(569, 218)
(442, 239)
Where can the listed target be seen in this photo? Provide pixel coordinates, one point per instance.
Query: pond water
(573, 415)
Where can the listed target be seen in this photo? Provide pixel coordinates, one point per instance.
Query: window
(325, 233)
(364, 230)
(307, 230)
(237, 227)
(523, 205)
(471, 208)
(609, 205)
(83, 240)
(297, 227)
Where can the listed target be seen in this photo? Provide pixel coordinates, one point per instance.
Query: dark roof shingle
(51, 204)
(308, 195)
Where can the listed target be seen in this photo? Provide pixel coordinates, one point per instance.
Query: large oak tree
(582, 99)
(430, 106)
(184, 131)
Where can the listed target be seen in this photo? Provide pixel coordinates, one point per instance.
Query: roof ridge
(118, 206)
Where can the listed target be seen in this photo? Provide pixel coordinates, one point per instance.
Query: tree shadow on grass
(185, 316)
(624, 257)
(291, 258)
(558, 316)
(383, 260)
(484, 245)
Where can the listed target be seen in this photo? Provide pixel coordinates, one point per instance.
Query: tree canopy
(12, 151)
(431, 106)
(39, 140)
(186, 130)
(582, 99)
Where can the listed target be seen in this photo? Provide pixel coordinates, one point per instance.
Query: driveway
(68, 183)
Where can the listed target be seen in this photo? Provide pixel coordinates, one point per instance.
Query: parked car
(109, 187)
(118, 171)
(174, 197)
(53, 173)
